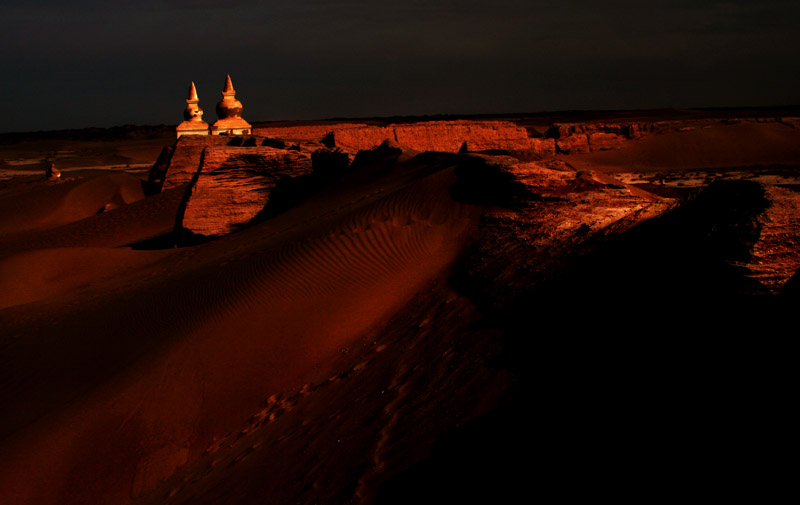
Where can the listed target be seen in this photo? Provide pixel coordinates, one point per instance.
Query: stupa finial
(193, 112)
(229, 112)
(193, 93)
(193, 123)
(228, 86)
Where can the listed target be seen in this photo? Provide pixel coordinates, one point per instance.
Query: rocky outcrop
(574, 138)
(186, 157)
(542, 146)
(546, 215)
(228, 167)
(601, 141)
(776, 254)
(583, 239)
(629, 131)
(233, 185)
(573, 144)
(230, 179)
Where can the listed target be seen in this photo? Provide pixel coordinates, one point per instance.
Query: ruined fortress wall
(444, 136)
(234, 184)
(186, 157)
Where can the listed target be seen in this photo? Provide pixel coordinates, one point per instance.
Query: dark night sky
(103, 63)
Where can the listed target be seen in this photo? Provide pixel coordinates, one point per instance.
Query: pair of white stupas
(229, 112)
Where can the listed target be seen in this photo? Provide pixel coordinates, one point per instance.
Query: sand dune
(231, 332)
(138, 221)
(41, 204)
(42, 274)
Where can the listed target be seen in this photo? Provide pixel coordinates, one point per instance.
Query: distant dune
(705, 144)
(86, 195)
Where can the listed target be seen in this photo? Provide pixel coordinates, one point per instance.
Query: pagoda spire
(228, 86)
(229, 112)
(193, 123)
(193, 94)
(193, 112)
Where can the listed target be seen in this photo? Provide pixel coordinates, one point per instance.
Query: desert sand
(495, 306)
